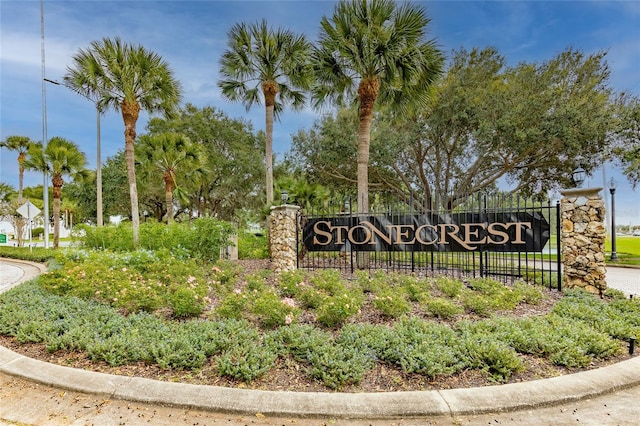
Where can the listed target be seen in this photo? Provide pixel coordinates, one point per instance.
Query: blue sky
(191, 36)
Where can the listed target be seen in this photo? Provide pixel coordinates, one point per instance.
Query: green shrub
(300, 340)
(449, 286)
(204, 237)
(328, 281)
(417, 290)
(200, 239)
(491, 355)
(291, 283)
(177, 352)
(246, 360)
(232, 306)
(335, 310)
(311, 297)
(423, 347)
(272, 311)
(486, 286)
(370, 283)
(252, 246)
(574, 343)
(337, 365)
(476, 303)
(134, 281)
(615, 294)
(186, 302)
(256, 284)
(528, 293)
(443, 308)
(34, 254)
(373, 339)
(392, 303)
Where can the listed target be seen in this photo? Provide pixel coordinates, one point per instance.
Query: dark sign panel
(497, 232)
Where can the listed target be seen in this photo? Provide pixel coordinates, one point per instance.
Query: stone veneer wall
(282, 237)
(583, 236)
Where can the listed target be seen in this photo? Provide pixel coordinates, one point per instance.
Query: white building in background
(6, 228)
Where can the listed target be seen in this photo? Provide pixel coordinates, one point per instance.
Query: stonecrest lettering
(468, 235)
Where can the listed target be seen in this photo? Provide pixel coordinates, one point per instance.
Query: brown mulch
(288, 375)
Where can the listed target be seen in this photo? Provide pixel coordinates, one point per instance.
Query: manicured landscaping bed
(237, 324)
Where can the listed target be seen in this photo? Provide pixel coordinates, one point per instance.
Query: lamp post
(99, 220)
(285, 196)
(579, 176)
(612, 189)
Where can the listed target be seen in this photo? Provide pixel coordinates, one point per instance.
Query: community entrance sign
(522, 232)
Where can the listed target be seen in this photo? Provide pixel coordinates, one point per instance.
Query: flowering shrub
(272, 311)
(133, 281)
(337, 309)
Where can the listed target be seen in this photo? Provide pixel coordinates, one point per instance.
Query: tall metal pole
(98, 172)
(45, 183)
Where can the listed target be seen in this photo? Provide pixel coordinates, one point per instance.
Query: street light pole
(45, 177)
(99, 220)
(612, 189)
(98, 169)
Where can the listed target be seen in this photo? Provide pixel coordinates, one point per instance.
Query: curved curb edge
(509, 397)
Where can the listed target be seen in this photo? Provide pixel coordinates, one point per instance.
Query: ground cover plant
(148, 313)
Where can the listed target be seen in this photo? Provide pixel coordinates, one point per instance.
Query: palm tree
(60, 158)
(274, 63)
(128, 79)
(373, 52)
(172, 155)
(21, 145)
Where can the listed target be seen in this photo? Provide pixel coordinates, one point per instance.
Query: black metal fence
(356, 243)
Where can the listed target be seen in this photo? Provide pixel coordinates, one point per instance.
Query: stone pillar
(282, 237)
(583, 236)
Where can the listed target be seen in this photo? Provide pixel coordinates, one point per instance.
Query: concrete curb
(30, 270)
(500, 398)
(509, 397)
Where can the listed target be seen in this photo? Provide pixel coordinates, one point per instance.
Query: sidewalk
(36, 392)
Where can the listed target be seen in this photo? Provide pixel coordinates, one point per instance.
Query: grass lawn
(627, 248)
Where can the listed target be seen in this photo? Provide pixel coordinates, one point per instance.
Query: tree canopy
(530, 124)
(233, 151)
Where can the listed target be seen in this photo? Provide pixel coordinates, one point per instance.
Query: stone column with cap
(282, 237)
(583, 235)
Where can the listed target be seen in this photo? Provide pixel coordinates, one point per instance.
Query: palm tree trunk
(364, 137)
(130, 112)
(57, 183)
(168, 195)
(269, 89)
(269, 154)
(367, 93)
